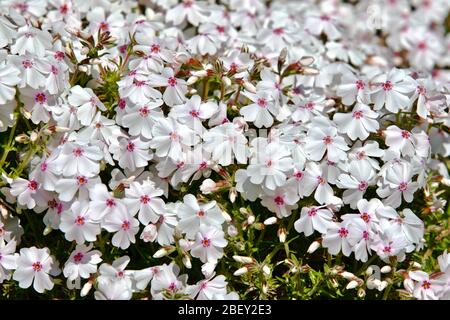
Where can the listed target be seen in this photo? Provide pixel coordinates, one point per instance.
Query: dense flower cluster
(167, 139)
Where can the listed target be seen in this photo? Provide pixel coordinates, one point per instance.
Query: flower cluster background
(235, 149)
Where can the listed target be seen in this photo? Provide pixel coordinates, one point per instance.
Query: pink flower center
(366, 217)
(54, 70)
(173, 136)
(187, 3)
(138, 83)
(63, 9)
(130, 146)
(145, 199)
(327, 140)
(387, 86)
(405, 134)
(27, 64)
(387, 249)
(104, 26)
(279, 201)
(52, 204)
(321, 180)
(172, 81)
(78, 257)
(325, 17)
(206, 242)
(360, 155)
(269, 163)
(77, 152)
(362, 185)
(81, 180)
(120, 274)
(422, 45)
(203, 285)
(357, 114)
(365, 235)
(403, 186)
(21, 6)
(278, 31)
(79, 220)
(203, 165)
(93, 101)
(125, 225)
(261, 102)
(312, 212)
(172, 287)
(360, 85)
(37, 266)
(194, 113)
(122, 104)
(220, 29)
(32, 185)
(180, 164)
(59, 55)
(201, 213)
(309, 106)
(426, 285)
(40, 98)
(421, 90)
(144, 112)
(110, 203)
(233, 67)
(29, 34)
(298, 175)
(155, 48)
(343, 232)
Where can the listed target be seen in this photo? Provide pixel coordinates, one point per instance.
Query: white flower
(79, 159)
(113, 291)
(426, 288)
(24, 190)
(407, 223)
(8, 259)
(103, 204)
(77, 224)
(313, 218)
(35, 264)
(325, 139)
(145, 199)
(189, 10)
(193, 215)
(8, 79)
(125, 227)
(336, 239)
(208, 288)
(167, 280)
(82, 262)
(31, 40)
(141, 118)
(209, 244)
(391, 90)
(261, 110)
(132, 153)
(226, 142)
(353, 88)
(87, 102)
(399, 140)
(193, 112)
(357, 124)
(175, 88)
(282, 200)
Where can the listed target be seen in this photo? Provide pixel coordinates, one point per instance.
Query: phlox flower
(145, 199)
(76, 223)
(209, 244)
(87, 103)
(8, 259)
(359, 123)
(314, 219)
(175, 88)
(82, 262)
(124, 226)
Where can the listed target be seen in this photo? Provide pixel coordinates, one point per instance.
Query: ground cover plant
(235, 149)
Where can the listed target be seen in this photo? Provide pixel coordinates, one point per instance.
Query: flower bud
(226, 216)
(250, 219)
(386, 269)
(232, 231)
(21, 138)
(192, 80)
(352, 285)
(208, 186)
(310, 71)
(282, 234)
(243, 259)
(226, 81)
(33, 136)
(47, 230)
(361, 293)
(270, 221)
(86, 288)
(233, 194)
(313, 247)
(160, 253)
(348, 275)
(258, 226)
(306, 61)
(266, 270)
(240, 271)
(187, 261)
(184, 244)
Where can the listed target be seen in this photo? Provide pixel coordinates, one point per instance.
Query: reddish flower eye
(279, 201)
(78, 257)
(32, 185)
(206, 242)
(172, 81)
(37, 266)
(387, 86)
(343, 232)
(125, 225)
(145, 199)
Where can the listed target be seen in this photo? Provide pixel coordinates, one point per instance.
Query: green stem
(8, 147)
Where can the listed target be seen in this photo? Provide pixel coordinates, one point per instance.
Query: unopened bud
(361, 293)
(282, 234)
(243, 259)
(386, 269)
(416, 265)
(226, 81)
(251, 219)
(226, 216)
(86, 288)
(207, 186)
(352, 285)
(192, 80)
(84, 50)
(187, 261)
(240, 271)
(310, 71)
(47, 230)
(33, 136)
(266, 270)
(306, 61)
(270, 221)
(160, 253)
(347, 275)
(232, 231)
(258, 226)
(233, 194)
(21, 138)
(313, 247)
